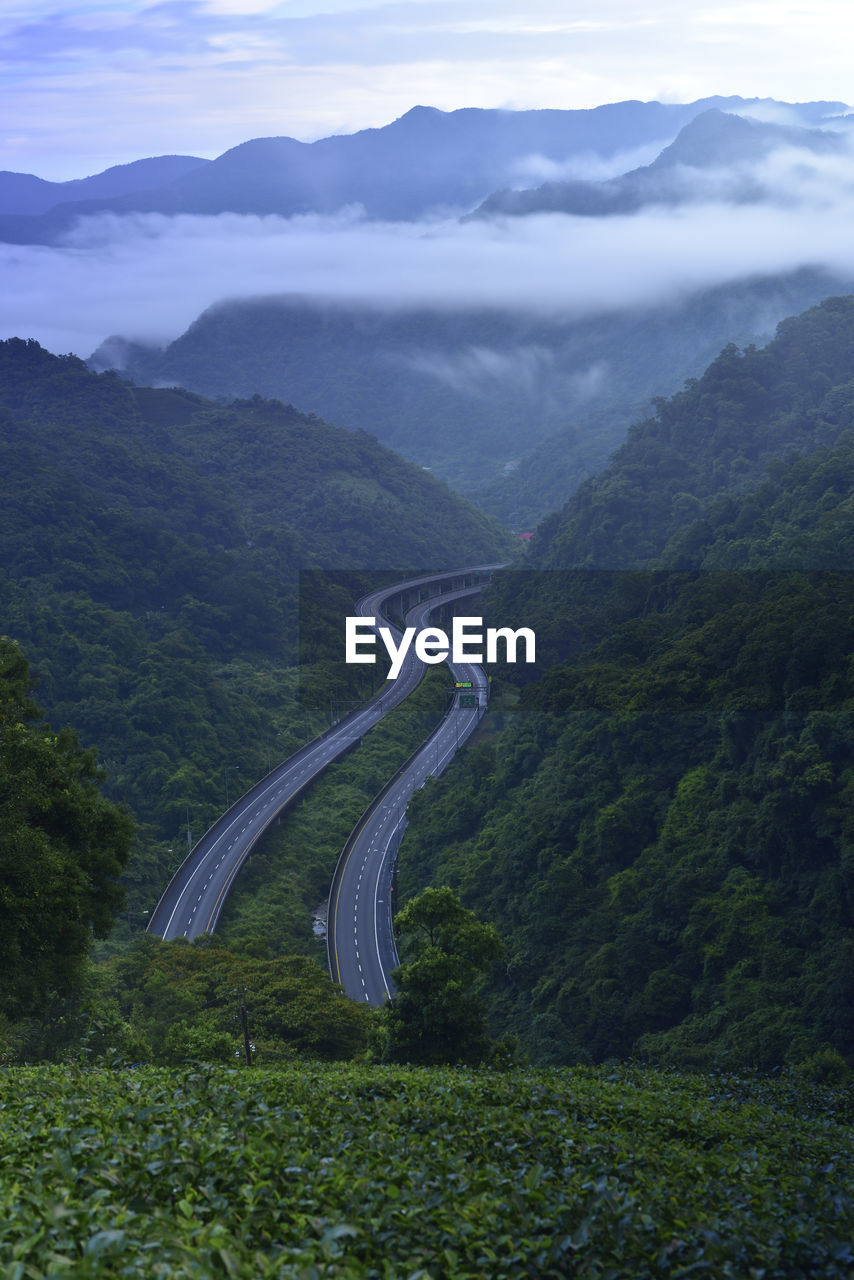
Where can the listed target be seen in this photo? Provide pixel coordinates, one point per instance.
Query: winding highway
(360, 937)
(194, 898)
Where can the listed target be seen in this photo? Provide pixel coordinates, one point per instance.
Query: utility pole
(244, 1022)
(226, 768)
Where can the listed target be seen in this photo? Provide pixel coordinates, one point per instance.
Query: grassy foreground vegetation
(354, 1172)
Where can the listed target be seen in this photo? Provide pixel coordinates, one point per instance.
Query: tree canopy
(662, 829)
(62, 849)
(151, 548)
(437, 1014)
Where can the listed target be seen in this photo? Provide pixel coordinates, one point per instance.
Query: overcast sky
(98, 82)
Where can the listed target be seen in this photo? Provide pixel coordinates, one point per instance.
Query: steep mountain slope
(472, 392)
(151, 545)
(715, 436)
(662, 829)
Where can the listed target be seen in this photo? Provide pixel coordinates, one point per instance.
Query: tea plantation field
(397, 1173)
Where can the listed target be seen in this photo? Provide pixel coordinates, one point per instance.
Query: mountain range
(24, 193)
(513, 410)
(658, 816)
(426, 162)
(511, 403)
(716, 156)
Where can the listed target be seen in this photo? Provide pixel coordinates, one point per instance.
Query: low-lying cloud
(147, 277)
(587, 166)
(481, 371)
(527, 370)
(789, 177)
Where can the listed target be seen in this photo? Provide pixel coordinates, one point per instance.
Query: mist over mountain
(510, 408)
(425, 161)
(509, 354)
(680, 337)
(716, 156)
(726, 433)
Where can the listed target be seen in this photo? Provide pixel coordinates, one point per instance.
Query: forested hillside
(749, 407)
(151, 544)
(658, 822)
(662, 830)
(668, 490)
(512, 406)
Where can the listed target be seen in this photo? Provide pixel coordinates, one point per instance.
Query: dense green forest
(62, 850)
(751, 412)
(152, 543)
(656, 820)
(553, 471)
(152, 548)
(661, 830)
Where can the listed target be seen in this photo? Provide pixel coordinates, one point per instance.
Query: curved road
(193, 900)
(360, 938)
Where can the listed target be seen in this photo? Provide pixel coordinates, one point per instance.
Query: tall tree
(62, 849)
(438, 1012)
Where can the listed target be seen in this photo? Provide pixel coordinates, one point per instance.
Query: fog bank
(147, 277)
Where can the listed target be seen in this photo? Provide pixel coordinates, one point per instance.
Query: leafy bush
(297, 1173)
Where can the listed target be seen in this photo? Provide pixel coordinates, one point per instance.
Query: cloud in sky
(534, 170)
(148, 276)
(85, 85)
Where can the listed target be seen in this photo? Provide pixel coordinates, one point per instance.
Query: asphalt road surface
(360, 939)
(194, 898)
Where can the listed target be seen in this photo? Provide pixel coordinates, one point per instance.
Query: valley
(426, 640)
(181, 544)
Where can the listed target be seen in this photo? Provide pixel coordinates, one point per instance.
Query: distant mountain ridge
(712, 140)
(427, 160)
(24, 193)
